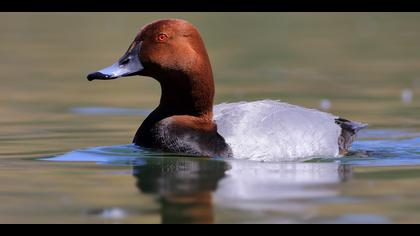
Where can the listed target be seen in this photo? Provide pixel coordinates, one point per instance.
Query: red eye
(162, 37)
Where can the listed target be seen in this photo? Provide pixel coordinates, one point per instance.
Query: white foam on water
(407, 96)
(113, 214)
(325, 104)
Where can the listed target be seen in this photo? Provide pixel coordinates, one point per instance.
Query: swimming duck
(172, 52)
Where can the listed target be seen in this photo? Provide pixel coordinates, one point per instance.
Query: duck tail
(349, 130)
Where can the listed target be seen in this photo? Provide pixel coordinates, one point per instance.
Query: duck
(172, 52)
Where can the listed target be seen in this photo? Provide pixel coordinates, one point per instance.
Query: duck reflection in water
(188, 189)
(184, 187)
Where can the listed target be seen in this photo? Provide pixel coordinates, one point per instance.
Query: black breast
(172, 138)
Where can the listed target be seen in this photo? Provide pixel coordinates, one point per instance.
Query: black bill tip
(98, 76)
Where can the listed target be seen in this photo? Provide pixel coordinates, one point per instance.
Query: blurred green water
(361, 62)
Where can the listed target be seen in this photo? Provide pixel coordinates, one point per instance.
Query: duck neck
(181, 95)
(187, 94)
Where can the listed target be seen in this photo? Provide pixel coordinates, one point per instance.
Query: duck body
(271, 130)
(172, 52)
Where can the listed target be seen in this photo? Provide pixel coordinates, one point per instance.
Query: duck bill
(128, 65)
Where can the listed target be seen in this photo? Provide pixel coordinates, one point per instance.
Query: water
(65, 155)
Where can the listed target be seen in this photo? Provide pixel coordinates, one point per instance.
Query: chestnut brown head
(162, 50)
(172, 52)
